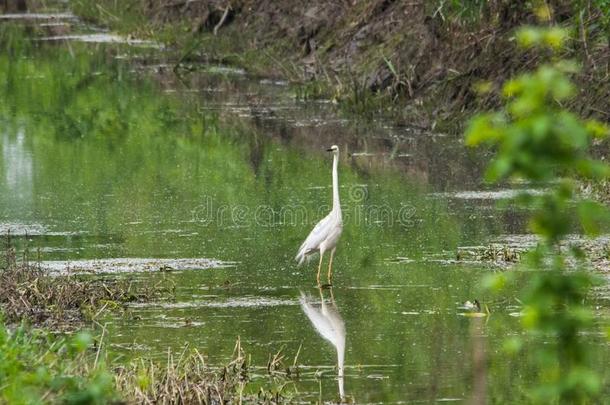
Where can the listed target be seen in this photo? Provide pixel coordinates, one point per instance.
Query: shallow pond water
(110, 162)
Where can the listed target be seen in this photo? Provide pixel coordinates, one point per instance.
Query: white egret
(327, 321)
(326, 233)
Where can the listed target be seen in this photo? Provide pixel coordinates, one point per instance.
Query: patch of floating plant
(239, 302)
(54, 249)
(316, 122)
(19, 229)
(518, 240)
(488, 194)
(596, 250)
(220, 69)
(266, 288)
(281, 83)
(451, 258)
(228, 107)
(34, 229)
(174, 322)
(356, 154)
(494, 252)
(377, 377)
(390, 287)
(163, 231)
(602, 292)
(131, 265)
(104, 38)
(268, 112)
(38, 16)
(358, 367)
(508, 250)
(417, 313)
(400, 259)
(449, 262)
(131, 346)
(54, 24)
(529, 241)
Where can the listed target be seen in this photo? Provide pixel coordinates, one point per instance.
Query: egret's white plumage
(327, 321)
(327, 232)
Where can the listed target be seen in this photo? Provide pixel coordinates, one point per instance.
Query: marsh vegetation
(155, 192)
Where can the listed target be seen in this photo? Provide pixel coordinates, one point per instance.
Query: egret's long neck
(336, 203)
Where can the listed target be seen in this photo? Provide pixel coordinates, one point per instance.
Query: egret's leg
(330, 266)
(319, 267)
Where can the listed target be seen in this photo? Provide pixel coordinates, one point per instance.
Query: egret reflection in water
(327, 321)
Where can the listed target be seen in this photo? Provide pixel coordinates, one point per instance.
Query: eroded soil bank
(420, 59)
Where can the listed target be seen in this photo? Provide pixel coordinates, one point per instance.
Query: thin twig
(222, 19)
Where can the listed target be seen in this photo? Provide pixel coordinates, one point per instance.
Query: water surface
(111, 162)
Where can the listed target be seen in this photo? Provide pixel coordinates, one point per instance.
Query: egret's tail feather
(304, 256)
(300, 258)
(301, 255)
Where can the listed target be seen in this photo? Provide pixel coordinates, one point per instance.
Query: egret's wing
(316, 236)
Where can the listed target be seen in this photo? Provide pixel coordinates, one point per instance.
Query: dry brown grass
(27, 293)
(188, 379)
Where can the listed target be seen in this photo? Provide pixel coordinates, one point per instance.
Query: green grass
(37, 368)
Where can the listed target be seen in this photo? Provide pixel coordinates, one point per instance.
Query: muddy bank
(420, 59)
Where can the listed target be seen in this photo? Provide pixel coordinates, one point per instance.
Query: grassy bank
(423, 63)
(40, 365)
